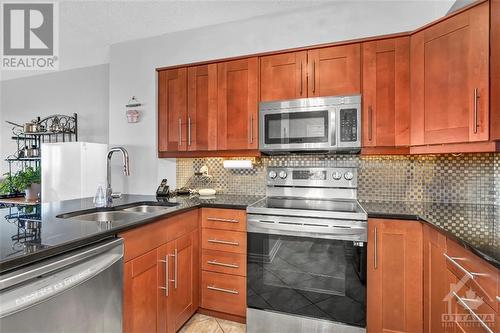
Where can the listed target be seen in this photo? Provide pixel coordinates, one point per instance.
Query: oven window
(296, 127)
(320, 278)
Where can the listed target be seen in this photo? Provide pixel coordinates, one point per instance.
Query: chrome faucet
(126, 171)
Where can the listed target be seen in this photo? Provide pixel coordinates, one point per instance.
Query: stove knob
(272, 174)
(283, 174)
(348, 175)
(337, 175)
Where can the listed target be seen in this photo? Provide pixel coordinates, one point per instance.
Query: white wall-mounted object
(238, 164)
(132, 113)
(72, 170)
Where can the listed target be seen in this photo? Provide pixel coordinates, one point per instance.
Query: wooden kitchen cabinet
(142, 312)
(394, 285)
(161, 274)
(202, 108)
(172, 109)
(450, 79)
(183, 298)
(283, 76)
(334, 70)
(436, 283)
(237, 104)
(386, 93)
(224, 263)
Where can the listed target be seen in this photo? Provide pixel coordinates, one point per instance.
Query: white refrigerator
(72, 170)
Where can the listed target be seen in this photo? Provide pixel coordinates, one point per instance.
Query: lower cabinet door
(394, 286)
(436, 284)
(184, 268)
(141, 292)
(223, 293)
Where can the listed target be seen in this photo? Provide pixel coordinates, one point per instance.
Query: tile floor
(205, 324)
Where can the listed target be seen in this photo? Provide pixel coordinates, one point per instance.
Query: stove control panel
(312, 177)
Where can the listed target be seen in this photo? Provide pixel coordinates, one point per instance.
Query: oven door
(319, 278)
(297, 130)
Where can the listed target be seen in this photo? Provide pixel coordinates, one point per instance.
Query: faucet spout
(126, 171)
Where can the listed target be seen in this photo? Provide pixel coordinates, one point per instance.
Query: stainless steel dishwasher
(80, 291)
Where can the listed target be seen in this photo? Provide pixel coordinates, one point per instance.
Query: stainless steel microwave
(319, 124)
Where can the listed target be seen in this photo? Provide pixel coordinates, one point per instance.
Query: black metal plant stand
(54, 128)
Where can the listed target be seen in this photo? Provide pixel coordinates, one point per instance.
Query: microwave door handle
(333, 128)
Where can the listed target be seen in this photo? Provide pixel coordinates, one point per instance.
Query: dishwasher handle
(44, 286)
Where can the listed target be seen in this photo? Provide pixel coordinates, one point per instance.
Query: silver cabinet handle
(166, 275)
(223, 242)
(375, 250)
(476, 97)
(189, 131)
(314, 76)
(251, 128)
(222, 220)
(229, 291)
(301, 84)
(180, 131)
(176, 260)
(462, 302)
(216, 263)
(370, 123)
(498, 299)
(460, 267)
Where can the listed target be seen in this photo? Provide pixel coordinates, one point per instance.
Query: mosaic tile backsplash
(467, 178)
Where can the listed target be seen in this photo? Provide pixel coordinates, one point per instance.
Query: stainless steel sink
(106, 216)
(146, 209)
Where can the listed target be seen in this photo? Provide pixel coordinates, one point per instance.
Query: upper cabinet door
(283, 76)
(172, 109)
(237, 104)
(386, 93)
(334, 70)
(202, 108)
(449, 84)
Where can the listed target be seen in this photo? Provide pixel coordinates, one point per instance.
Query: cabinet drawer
(224, 262)
(225, 219)
(224, 293)
(473, 315)
(223, 240)
(479, 275)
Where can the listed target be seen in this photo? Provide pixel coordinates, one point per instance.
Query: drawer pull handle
(229, 291)
(462, 302)
(498, 299)
(216, 241)
(216, 263)
(217, 219)
(460, 267)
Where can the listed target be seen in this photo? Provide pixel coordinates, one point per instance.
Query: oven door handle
(306, 227)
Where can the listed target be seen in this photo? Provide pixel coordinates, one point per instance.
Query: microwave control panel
(348, 125)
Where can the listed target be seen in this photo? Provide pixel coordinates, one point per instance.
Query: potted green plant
(7, 184)
(26, 180)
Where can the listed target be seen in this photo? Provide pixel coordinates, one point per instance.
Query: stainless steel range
(307, 253)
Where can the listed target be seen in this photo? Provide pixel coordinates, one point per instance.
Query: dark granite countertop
(476, 227)
(32, 233)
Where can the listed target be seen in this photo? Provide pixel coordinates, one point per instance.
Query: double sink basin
(122, 213)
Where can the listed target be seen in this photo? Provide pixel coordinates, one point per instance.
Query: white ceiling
(88, 28)
(118, 21)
